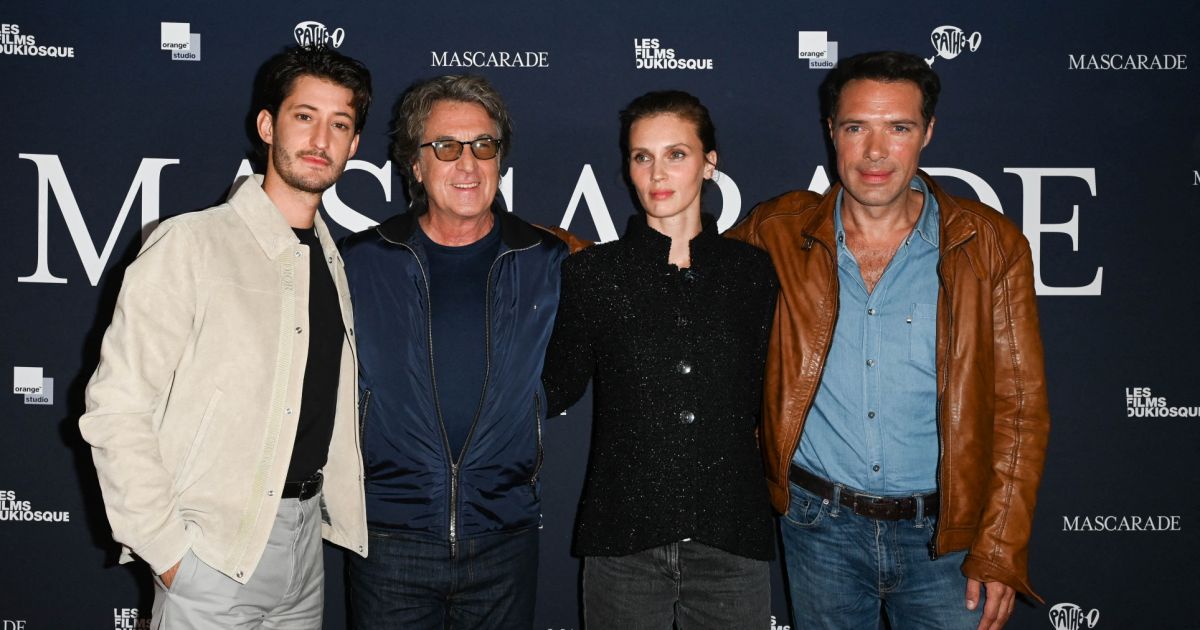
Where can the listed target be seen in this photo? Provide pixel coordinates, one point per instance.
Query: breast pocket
(922, 334)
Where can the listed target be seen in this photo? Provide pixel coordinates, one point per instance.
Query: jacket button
(240, 574)
(684, 367)
(687, 417)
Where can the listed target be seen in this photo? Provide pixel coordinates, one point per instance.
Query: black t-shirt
(325, 336)
(458, 293)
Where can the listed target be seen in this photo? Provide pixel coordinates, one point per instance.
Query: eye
(901, 128)
(341, 125)
(304, 117)
(641, 158)
(678, 155)
(852, 128)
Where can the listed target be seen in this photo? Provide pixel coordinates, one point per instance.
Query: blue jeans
(844, 568)
(688, 584)
(408, 580)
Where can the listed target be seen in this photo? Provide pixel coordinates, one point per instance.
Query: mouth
(316, 159)
(875, 177)
(468, 186)
(659, 195)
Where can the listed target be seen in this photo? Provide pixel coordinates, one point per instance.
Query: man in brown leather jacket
(905, 414)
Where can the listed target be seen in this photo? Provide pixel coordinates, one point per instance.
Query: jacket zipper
(812, 398)
(933, 552)
(537, 416)
(362, 415)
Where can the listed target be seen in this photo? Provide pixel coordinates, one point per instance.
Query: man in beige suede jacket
(222, 413)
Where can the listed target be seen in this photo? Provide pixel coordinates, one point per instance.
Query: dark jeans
(408, 580)
(687, 583)
(844, 568)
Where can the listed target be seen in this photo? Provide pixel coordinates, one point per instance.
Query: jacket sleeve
(746, 230)
(1021, 428)
(570, 357)
(150, 329)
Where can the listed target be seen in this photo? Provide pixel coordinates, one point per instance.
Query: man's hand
(169, 577)
(999, 605)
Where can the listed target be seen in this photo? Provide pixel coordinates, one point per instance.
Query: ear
(353, 146)
(711, 159)
(416, 169)
(266, 127)
(929, 132)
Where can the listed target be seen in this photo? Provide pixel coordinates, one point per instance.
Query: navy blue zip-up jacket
(410, 471)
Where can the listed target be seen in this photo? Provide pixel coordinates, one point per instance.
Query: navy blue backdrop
(1079, 121)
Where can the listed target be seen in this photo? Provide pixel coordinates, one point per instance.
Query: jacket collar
(653, 247)
(271, 231)
(953, 229)
(514, 233)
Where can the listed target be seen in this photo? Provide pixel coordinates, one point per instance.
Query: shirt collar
(927, 224)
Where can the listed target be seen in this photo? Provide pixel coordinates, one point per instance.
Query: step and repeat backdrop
(1079, 121)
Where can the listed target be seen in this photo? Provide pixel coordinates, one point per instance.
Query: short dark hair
(412, 111)
(887, 66)
(281, 71)
(676, 102)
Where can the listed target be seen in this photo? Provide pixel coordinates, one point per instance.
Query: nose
(467, 161)
(876, 147)
(658, 172)
(321, 137)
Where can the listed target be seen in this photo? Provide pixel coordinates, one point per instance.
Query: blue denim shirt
(873, 424)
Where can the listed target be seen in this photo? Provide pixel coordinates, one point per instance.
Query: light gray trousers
(287, 589)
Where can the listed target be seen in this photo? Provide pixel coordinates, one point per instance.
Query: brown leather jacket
(993, 416)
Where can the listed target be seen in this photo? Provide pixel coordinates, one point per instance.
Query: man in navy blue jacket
(454, 303)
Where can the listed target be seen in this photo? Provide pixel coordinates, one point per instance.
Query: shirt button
(288, 411)
(240, 574)
(270, 493)
(870, 362)
(687, 417)
(875, 468)
(870, 311)
(330, 260)
(684, 367)
(297, 254)
(870, 414)
(299, 330)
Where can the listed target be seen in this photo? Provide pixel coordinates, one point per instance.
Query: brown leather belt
(304, 490)
(870, 506)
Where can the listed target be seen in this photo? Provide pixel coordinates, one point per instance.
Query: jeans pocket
(805, 510)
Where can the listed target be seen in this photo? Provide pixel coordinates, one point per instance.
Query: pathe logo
(1140, 402)
(14, 624)
(312, 33)
(950, 41)
(19, 44)
(30, 383)
(130, 619)
(1067, 616)
(16, 510)
(649, 54)
(178, 38)
(817, 49)
(1127, 61)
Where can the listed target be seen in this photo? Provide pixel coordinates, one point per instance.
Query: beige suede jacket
(193, 409)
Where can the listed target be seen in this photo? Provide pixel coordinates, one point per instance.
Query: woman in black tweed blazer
(670, 324)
